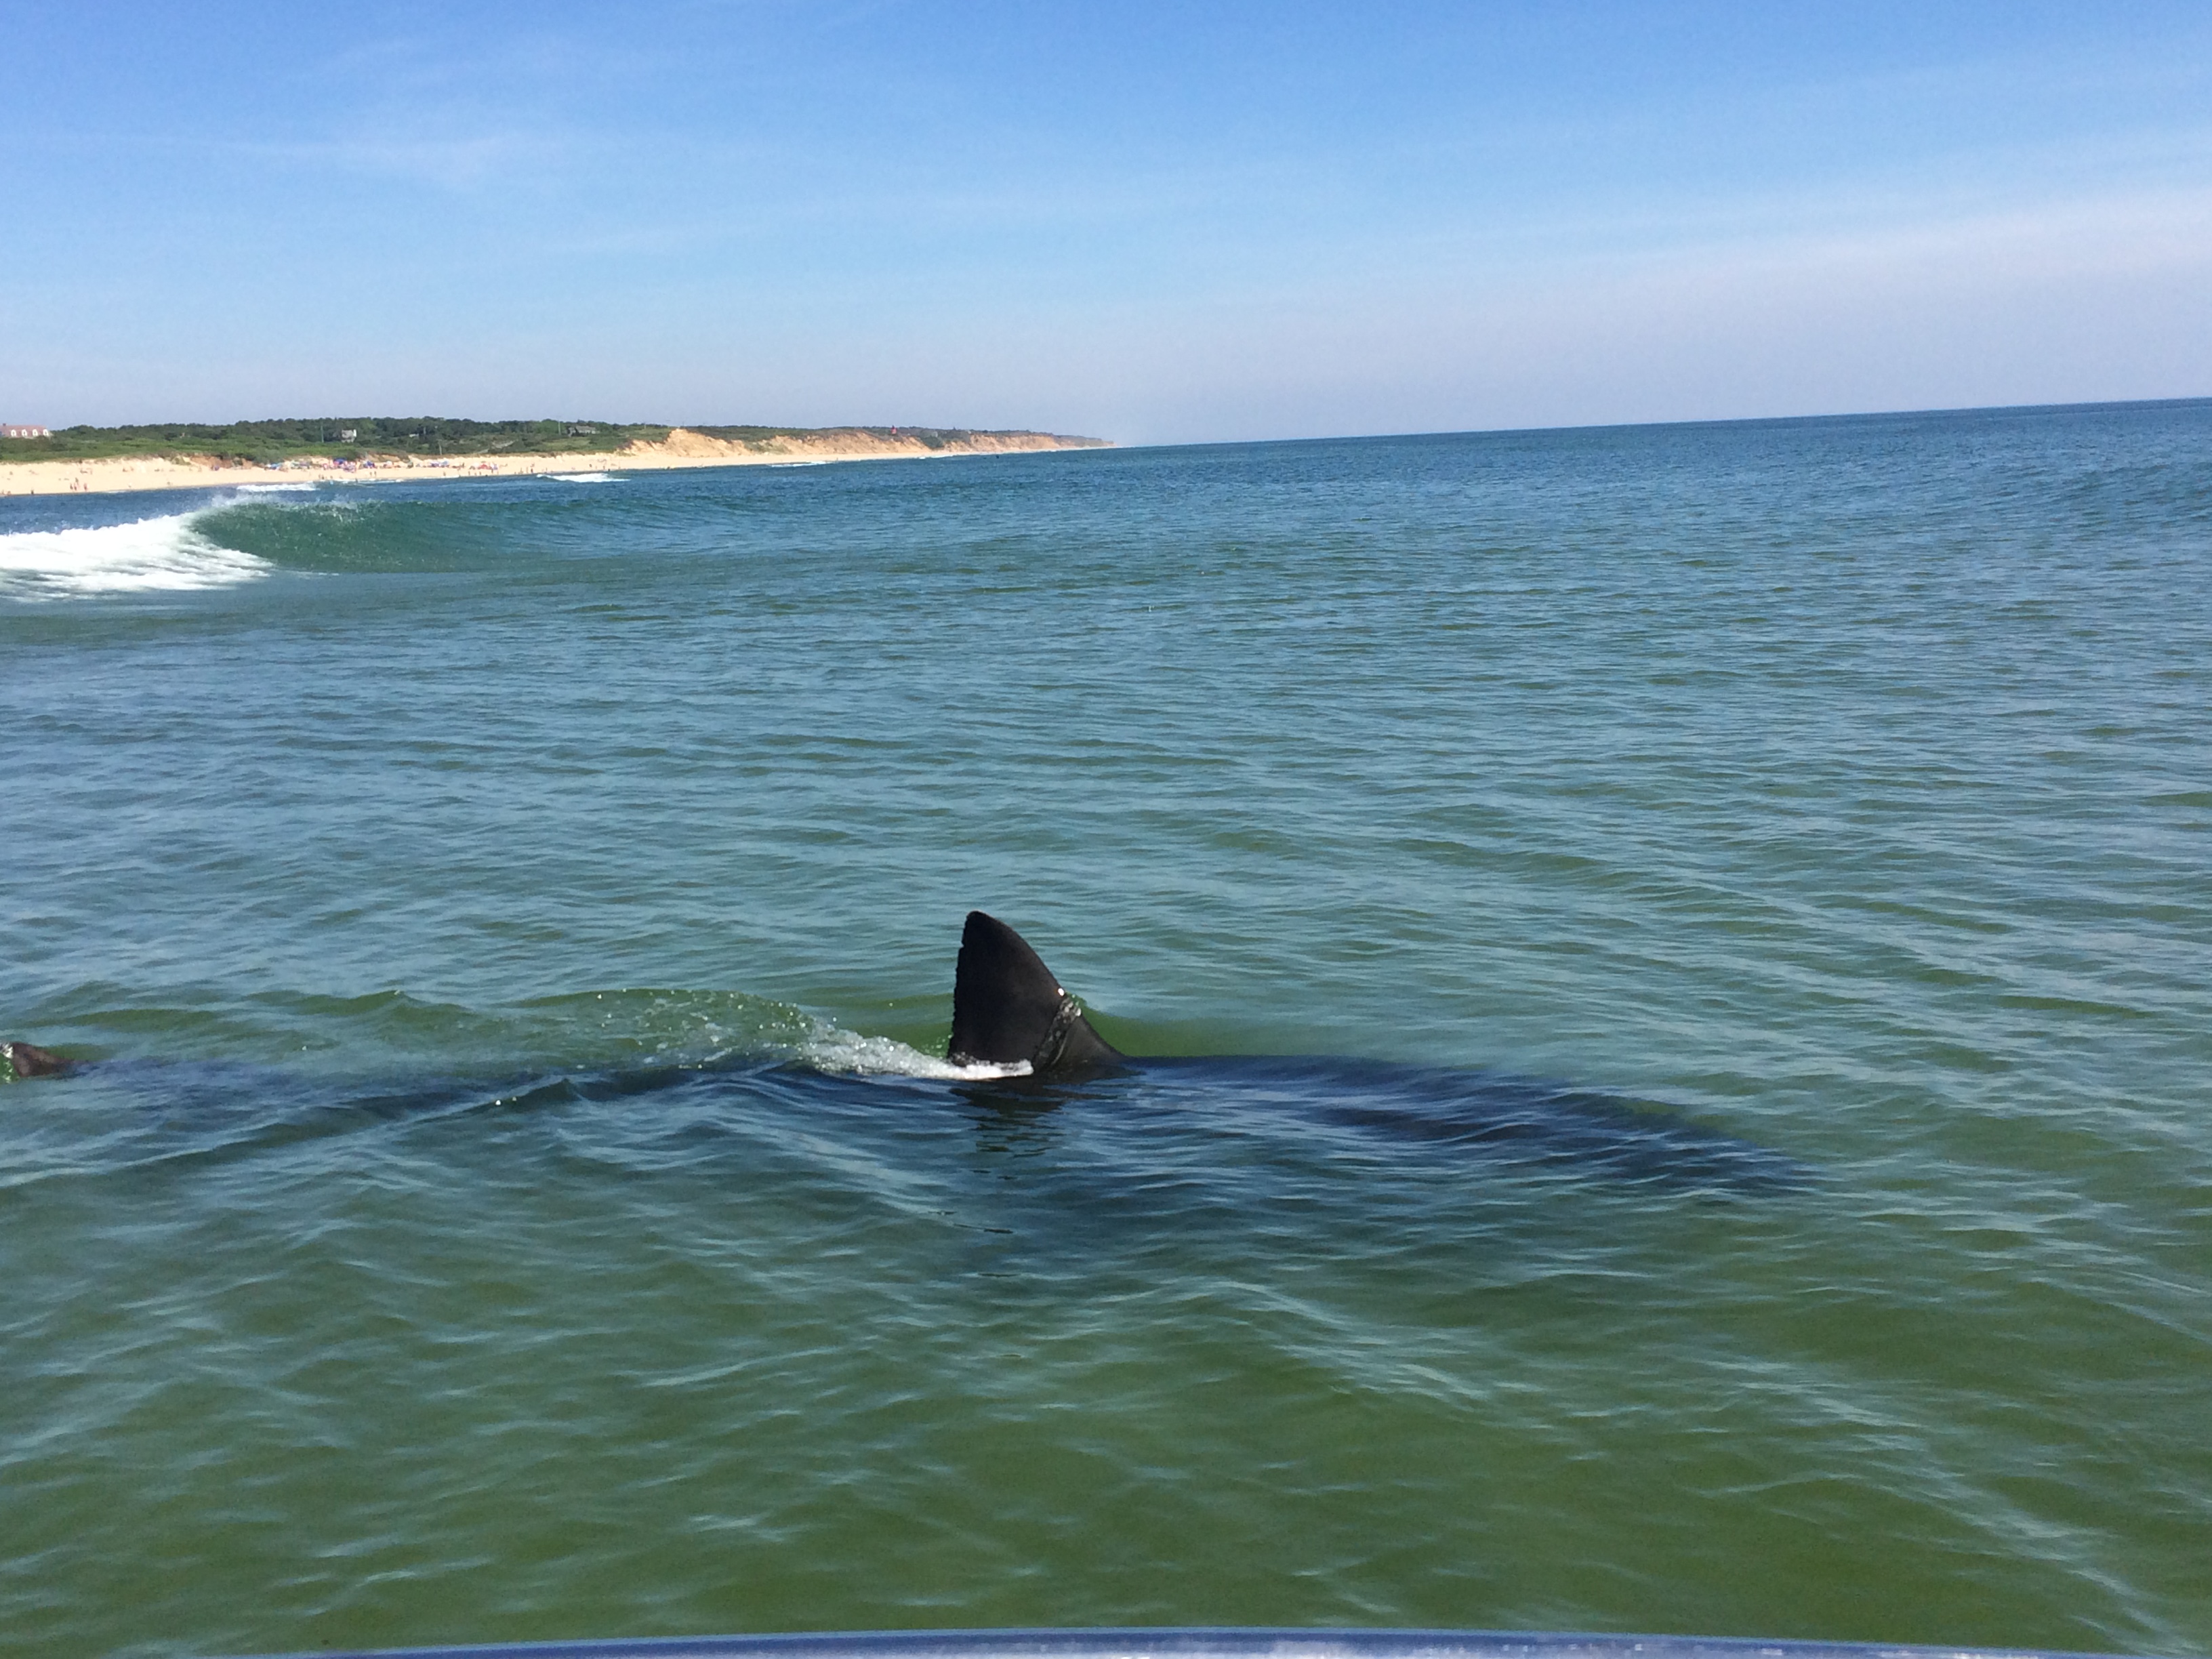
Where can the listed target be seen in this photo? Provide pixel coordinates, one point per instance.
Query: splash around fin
(1007, 1008)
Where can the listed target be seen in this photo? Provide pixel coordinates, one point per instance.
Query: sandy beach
(681, 448)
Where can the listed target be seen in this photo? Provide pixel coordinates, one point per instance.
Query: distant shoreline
(682, 448)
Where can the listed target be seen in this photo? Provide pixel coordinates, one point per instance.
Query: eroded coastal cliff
(23, 472)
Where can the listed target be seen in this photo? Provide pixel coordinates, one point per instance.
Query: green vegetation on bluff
(350, 437)
(353, 436)
(929, 437)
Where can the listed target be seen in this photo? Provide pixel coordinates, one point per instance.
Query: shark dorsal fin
(1007, 1007)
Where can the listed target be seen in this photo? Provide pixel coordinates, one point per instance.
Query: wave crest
(156, 555)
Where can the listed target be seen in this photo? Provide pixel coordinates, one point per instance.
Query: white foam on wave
(275, 488)
(828, 1049)
(145, 556)
(585, 477)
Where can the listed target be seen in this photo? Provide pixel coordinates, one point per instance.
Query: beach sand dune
(682, 448)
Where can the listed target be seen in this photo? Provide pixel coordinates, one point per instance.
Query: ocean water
(1709, 928)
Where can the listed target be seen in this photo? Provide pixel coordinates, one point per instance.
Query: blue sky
(1155, 223)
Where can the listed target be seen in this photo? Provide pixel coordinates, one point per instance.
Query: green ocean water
(519, 1194)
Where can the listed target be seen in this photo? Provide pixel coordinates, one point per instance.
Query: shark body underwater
(1009, 1010)
(1025, 1046)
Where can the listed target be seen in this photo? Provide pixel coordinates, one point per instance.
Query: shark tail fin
(1007, 1007)
(27, 1059)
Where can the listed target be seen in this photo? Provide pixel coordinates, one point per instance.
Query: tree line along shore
(357, 438)
(101, 459)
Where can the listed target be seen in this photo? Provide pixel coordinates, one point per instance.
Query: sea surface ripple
(521, 1195)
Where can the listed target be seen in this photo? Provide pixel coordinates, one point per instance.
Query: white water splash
(585, 477)
(829, 1048)
(145, 556)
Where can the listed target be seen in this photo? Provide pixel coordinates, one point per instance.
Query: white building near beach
(24, 432)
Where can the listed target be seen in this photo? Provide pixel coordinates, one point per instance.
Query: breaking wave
(145, 556)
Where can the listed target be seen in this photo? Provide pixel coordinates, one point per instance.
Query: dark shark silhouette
(1010, 1011)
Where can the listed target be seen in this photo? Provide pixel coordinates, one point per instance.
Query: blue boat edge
(1194, 1641)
